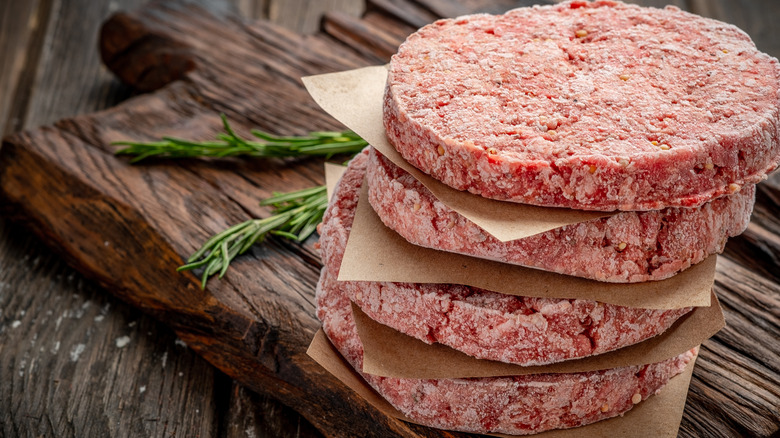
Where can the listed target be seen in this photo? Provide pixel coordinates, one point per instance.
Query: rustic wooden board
(255, 324)
(49, 69)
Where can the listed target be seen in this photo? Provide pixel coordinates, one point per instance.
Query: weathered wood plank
(57, 65)
(65, 374)
(373, 42)
(73, 380)
(68, 70)
(23, 27)
(444, 8)
(262, 328)
(411, 13)
(252, 415)
(737, 370)
(304, 15)
(76, 362)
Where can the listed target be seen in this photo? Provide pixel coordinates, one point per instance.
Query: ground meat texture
(514, 405)
(480, 323)
(625, 248)
(593, 106)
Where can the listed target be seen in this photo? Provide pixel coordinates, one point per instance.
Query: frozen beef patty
(625, 248)
(515, 405)
(594, 106)
(480, 323)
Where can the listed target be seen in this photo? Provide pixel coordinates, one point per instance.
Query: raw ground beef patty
(592, 106)
(626, 247)
(516, 405)
(480, 323)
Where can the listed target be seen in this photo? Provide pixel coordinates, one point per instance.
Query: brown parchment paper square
(390, 353)
(658, 416)
(354, 98)
(333, 174)
(377, 253)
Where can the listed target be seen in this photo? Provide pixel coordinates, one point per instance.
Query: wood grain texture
(256, 323)
(50, 63)
(23, 27)
(149, 215)
(83, 364)
(305, 15)
(61, 371)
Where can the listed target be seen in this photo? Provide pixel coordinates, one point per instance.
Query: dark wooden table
(75, 361)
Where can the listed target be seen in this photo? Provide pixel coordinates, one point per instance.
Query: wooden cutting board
(129, 227)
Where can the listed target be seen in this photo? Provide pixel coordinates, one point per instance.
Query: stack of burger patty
(662, 117)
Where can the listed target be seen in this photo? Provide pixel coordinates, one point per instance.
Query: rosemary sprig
(295, 216)
(229, 144)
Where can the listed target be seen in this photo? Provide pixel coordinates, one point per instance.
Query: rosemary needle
(296, 216)
(229, 144)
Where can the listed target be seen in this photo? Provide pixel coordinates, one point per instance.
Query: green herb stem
(229, 144)
(295, 216)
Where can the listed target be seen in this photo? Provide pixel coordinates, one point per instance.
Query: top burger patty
(596, 106)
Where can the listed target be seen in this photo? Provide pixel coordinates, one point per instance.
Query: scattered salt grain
(76, 352)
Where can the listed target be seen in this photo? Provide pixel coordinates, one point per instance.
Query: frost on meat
(625, 248)
(594, 106)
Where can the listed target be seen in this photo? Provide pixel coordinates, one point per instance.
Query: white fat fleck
(180, 343)
(164, 359)
(99, 318)
(142, 389)
(76, 352)
(250, 433)
(132, 324)
(16, 324)
(122, 341)
(56, 348)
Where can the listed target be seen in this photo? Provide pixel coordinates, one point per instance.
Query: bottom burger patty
(516, 404)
